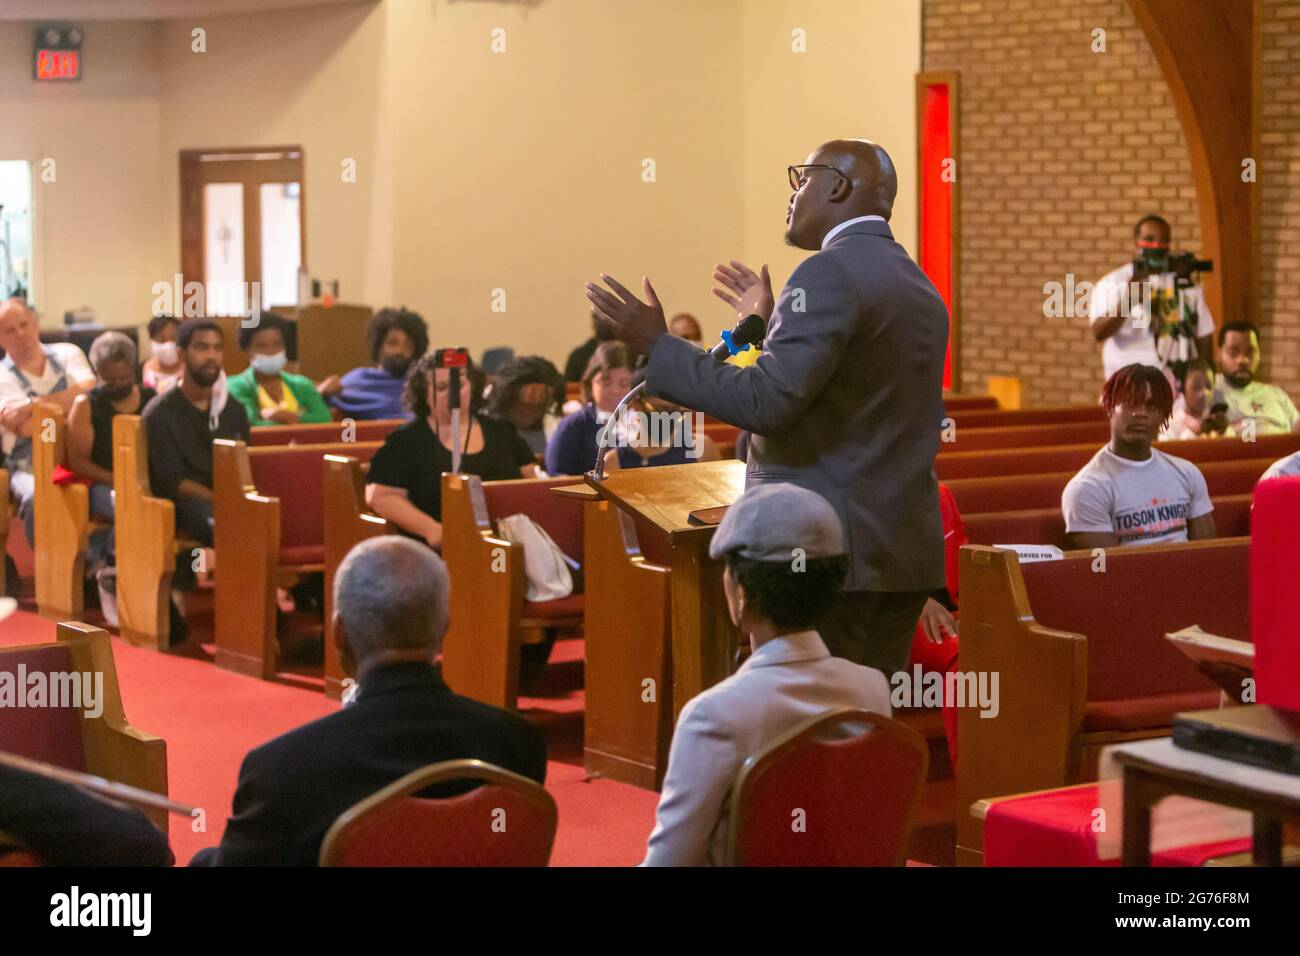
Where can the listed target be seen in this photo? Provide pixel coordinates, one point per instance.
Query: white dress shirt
(845, 224)
(787, 681)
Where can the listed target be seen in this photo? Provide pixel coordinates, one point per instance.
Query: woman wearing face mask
(90, 429)
(163, 367)
(269, 394)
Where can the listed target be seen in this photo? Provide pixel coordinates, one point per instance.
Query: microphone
(748, 331)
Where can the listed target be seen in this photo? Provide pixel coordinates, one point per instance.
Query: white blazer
(785, 682)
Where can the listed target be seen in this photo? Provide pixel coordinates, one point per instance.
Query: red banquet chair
(508, 821)
(840, 790)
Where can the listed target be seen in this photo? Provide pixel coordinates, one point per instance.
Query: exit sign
(57, 53)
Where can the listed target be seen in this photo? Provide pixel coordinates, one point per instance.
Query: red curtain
(936, 201)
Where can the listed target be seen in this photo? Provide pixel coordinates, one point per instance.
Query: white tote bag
(545, 565)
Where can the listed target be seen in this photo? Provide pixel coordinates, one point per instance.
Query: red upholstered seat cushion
(303, 554)
(51, 734)
(1056, 829)
(1144, 713)
(570, 606)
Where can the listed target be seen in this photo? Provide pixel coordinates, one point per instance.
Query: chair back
(48, 728)
(508, 820)
(839, 790)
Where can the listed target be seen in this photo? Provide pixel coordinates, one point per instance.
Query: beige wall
(310, 78)
(96, 231)
(855, 81)
(478, 171)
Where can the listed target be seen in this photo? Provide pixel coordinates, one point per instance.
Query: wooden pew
(347, 523)
(955, 401)
(1082, 659)
(147, 544)
(268, 511)
(628, 632)
(1024, 436)
(62, 515)
(323, 432)
(1020, 417)
(5, 508)
(1017, 492)
(106, 745)
(1047, 525)
(490, 620)
(1024, 461)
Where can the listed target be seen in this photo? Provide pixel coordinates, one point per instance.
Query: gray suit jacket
(847, 400)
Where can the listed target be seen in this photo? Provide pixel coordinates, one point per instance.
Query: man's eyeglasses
(797, 177)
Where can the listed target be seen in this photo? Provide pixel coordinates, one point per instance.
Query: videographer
(1151, 310)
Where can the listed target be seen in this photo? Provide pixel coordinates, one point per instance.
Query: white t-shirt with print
(1283, 468)
(75, 368)
(1133, 341)
(1140, 502)
(1271, 408)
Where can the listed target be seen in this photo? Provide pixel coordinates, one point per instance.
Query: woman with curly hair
(397, 338)
(405, 480)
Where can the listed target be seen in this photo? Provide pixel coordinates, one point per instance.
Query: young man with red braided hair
(1131, 493)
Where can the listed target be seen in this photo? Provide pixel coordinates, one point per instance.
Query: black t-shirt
(102, 414)
(180, 440)
(414, 459)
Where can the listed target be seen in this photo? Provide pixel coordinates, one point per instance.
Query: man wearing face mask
(181, 425)
(269, 394)
(397, 339)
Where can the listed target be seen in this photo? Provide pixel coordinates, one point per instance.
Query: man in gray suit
(847, 397)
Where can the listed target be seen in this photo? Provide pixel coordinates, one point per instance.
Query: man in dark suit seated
(390, 615)
(63, 825)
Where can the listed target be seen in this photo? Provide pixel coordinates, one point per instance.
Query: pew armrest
(1033, 741)
(114, 748)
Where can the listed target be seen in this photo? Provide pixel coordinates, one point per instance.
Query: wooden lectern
(627, 727)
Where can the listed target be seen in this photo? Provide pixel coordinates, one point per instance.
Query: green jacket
(311, 407)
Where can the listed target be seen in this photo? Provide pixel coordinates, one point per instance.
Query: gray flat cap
(769, 521)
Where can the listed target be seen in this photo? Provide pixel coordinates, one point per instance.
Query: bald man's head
(19, 333)
(840, 180)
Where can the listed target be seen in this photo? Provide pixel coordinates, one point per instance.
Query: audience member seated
(397, 338)
(1192, 415)
(1247, 398)
(90, 434)
(404, 484)
(1138, 317)
(162, 369)
(528, 393)
(63, 825)
(608, 378)
(1283, 468)
(390, 615)
(269, 394)
(789, 678)
(179, 429)
(32, 372)
(686, 326)
(580, 358)
(1131, 493)
(654, 432)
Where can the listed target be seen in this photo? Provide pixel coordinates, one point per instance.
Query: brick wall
(1279, 184)
(1062, 150)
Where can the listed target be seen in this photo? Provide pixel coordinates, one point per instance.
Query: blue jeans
(100, 548)
(22, 489)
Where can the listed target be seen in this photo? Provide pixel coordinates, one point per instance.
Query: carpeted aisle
(210, 718)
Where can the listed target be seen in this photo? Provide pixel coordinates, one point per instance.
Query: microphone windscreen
(750, 330)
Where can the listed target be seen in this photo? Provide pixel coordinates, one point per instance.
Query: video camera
(1158, 260)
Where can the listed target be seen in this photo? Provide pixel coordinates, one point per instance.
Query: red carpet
(210, 718)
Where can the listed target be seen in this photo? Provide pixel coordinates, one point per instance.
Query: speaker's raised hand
(635, 322)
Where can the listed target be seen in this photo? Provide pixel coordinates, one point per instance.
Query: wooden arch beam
(1208, 51)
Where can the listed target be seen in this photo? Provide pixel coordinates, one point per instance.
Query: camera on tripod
(1158, 260)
